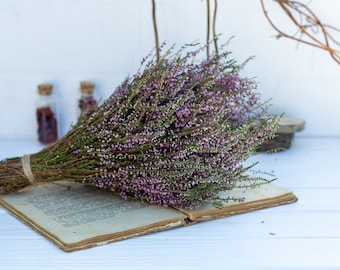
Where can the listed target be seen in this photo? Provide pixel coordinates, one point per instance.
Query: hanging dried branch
(310, 30)
(214, 27)
(215, 37)
(154, 21)
(208, 29)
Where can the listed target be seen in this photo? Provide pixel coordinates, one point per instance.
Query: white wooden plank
(179, 253)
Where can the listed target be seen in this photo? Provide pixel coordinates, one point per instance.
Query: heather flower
(174, 134)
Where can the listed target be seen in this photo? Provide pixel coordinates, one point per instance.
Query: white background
(66, 41)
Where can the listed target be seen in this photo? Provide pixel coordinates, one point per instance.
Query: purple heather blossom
(176, 133)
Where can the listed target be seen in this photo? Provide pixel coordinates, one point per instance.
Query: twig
(208, 28)
(214, 27)
(309, 23)
(155, 29)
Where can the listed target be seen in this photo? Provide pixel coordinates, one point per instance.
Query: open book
(75, 216)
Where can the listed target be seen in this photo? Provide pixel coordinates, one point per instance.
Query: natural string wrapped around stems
(174, 134)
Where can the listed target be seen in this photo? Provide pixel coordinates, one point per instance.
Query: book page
(74, 214)
(243, 200)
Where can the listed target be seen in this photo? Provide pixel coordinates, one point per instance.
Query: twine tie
(26, 166)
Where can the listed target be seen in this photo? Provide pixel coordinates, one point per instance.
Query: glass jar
(46, 115)
(87, 102)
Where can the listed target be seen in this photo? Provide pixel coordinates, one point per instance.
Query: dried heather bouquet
(174, 134)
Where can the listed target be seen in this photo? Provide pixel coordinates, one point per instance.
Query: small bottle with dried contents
(87, 101)
(46, 115)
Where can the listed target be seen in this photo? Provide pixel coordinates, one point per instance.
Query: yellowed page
(267, 195)
(75, 216)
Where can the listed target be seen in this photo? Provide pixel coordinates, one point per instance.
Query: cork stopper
(87, 87)
(45, 89)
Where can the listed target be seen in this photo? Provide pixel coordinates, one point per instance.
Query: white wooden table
(303, 235)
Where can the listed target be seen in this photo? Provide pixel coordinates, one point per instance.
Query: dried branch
(214, 27)
(208, 28)
(215, 37)
(309, 27)
(155, 29)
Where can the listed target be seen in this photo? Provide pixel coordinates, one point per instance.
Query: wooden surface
(303, 235)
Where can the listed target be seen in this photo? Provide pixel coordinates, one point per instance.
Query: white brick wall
(66, 41)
